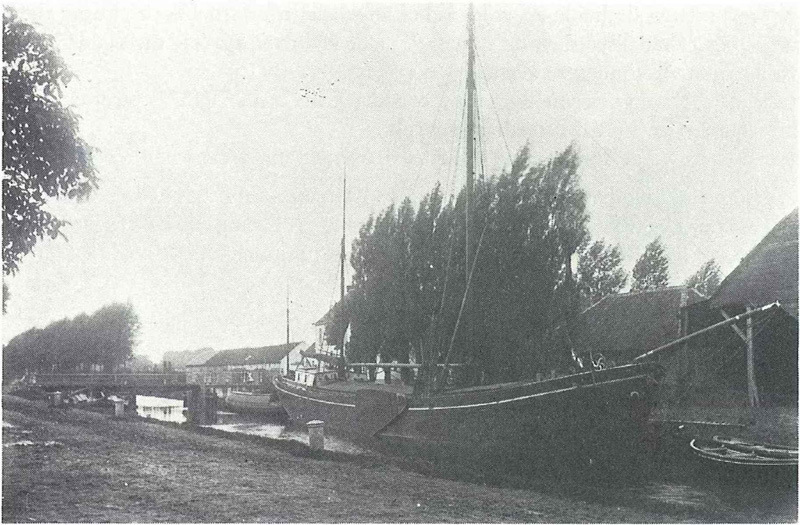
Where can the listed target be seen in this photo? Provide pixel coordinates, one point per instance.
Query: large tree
(706, 279)
(43, 156)
(409, 269)
(651, 271)
(600, 272)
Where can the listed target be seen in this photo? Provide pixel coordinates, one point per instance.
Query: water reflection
(280, 431)
(161, 408)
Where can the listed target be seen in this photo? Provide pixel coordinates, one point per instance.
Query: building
(626, 325)
(246, 366)
(333, 321)
(758, 359)
(179, 360)
(744, 375)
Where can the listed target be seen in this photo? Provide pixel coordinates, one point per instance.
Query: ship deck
(353, 386)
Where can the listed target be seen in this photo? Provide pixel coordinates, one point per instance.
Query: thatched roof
(767, 274)
(625, 325)
(251, 356)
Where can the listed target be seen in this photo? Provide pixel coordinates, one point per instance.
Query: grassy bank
(98, 469)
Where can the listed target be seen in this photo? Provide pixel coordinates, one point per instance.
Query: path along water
(679, 484)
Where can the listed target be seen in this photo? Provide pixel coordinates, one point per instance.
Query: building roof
(329, 315)
(185, 358)
(767, 274)
(249, 356)
(623, 326)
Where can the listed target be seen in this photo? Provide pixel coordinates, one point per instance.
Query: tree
(706, 280)
(409, 268)
(43, 156)
(107, 338)
(600, 272)
(652, 269)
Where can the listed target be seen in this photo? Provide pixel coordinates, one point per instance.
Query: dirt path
(106, 470)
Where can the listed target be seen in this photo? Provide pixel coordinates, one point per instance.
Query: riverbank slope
(87, 467)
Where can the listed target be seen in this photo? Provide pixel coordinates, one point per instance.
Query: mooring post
(119, 408)
(194, 401)
(55, 399)
(316, 434)
(210, 408)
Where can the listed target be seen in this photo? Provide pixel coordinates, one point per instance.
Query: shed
(623, 326)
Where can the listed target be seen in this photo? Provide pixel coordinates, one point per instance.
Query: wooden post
(752, 389)
(210, 408)
(196, 406)
(119, 408)
(316, 434)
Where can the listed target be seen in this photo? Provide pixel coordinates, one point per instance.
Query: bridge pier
(201, 406)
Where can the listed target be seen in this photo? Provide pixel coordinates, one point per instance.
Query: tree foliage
(707, 278)
(409, 267)
(43, 156)
(106, 338)
(600, 272)
(652, 269)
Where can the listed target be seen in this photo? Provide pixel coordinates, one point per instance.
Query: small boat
(260, 403)
(759, 449)
(739, 463)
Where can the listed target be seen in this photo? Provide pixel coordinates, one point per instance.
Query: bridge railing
(109, 379)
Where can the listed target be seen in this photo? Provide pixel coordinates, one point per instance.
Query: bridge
(201, 405)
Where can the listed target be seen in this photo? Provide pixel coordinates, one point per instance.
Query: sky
(223, 131)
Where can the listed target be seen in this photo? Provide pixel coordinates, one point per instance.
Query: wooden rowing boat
(765, 450)
(756, 462)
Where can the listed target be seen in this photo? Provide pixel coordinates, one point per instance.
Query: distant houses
(179, 360)
(246, 366)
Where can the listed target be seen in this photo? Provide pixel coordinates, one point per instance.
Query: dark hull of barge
(582, 419)
(260, 404)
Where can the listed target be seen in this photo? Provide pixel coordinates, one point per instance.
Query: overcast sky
(223, 130)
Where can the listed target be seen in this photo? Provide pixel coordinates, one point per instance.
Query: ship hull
(581, 419)
(262, 404)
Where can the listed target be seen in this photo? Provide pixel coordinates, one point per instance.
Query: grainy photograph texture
(399, 262)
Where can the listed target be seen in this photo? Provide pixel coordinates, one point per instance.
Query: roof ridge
(762, 244)
(653, 290)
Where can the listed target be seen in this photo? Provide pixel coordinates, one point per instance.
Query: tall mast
(470, 162)
(344, 211)
(287, 328)
(470, 134)
(344, 215)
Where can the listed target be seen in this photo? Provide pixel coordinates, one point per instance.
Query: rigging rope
(451, 174)
(491, 98)
(433, 130)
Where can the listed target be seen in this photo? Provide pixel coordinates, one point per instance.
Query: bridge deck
(109, 380)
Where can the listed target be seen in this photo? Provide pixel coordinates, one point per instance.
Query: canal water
(677, 486)
(161, 408)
